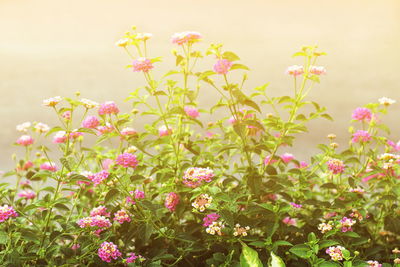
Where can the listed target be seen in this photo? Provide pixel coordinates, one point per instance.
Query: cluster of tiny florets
(202, 202)
(194, 177)
(108, 251)
(336, 253)
(7, 212)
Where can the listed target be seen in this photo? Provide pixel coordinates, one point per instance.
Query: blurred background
(58, 47)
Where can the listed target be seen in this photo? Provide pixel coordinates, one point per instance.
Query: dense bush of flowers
(184, 191)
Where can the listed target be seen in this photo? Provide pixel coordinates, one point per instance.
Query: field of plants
(185, 191)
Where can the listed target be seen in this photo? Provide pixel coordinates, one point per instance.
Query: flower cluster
(194, 177)
(52, 102)
(142, 64)
(171, 201)
(374, 264)
(91, 122)
(215, 228)
(122, 216)
(108, 251)
(136, 195)
(222, 66)
(361, 137)
(25, 140)
(336, 253)
(108, 107)
(240, 231)
(362, 114)
(346, 224)
(210, 218)
(27, 194)
(89, 104)
(7, 212)
(127, 160)
(336, 166)
(202, 202)
(99, 211)
(99, 177)
(186, 38)
(325, 227)
(295, 70)
(98, 221)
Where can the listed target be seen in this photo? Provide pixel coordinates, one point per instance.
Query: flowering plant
(186, 192)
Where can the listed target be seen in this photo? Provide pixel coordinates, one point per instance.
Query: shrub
(186, 192)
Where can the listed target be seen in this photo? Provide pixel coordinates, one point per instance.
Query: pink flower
(7, 212)
(295, 70)
(268, 160)
(128, 131)
(302, 165)
(90, 122)
(395, 146)
(121, 216)
(361, 137)
(132, 258)
(297, 206)
(99, 177)
(287, 157)
(362, 114)
(336, 253)
(27, 194)
(66, 115)
(164, 131)
(108, 251)
(142, 64)
(127, 160)
(289, 221)
(192, 112)
(186, 37)
(107, 128)
(60, 137)
(317, 70)
(108, 107)
(137, 194)
(106, 164)
(222, 66)
(210, 218)
(210, 134)
(171, 201)
(346, 224)
(336, 166)
(24, 183)
(49, 166)
(100, 210)
(94, 221)
(194, 176)
(25, 140)
(75, 246)
(75, 134)
(374, 264)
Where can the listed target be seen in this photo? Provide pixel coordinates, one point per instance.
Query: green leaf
(3, 237)
(110, 195)
(249, 257)
(239, 66)
(329, 264)
(327, 243)
(275, 261)
(230, 56)
(301, 251)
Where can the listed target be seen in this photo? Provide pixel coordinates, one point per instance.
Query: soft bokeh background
(57, 47)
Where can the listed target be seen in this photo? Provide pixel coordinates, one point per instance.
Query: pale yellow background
(54, 47)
